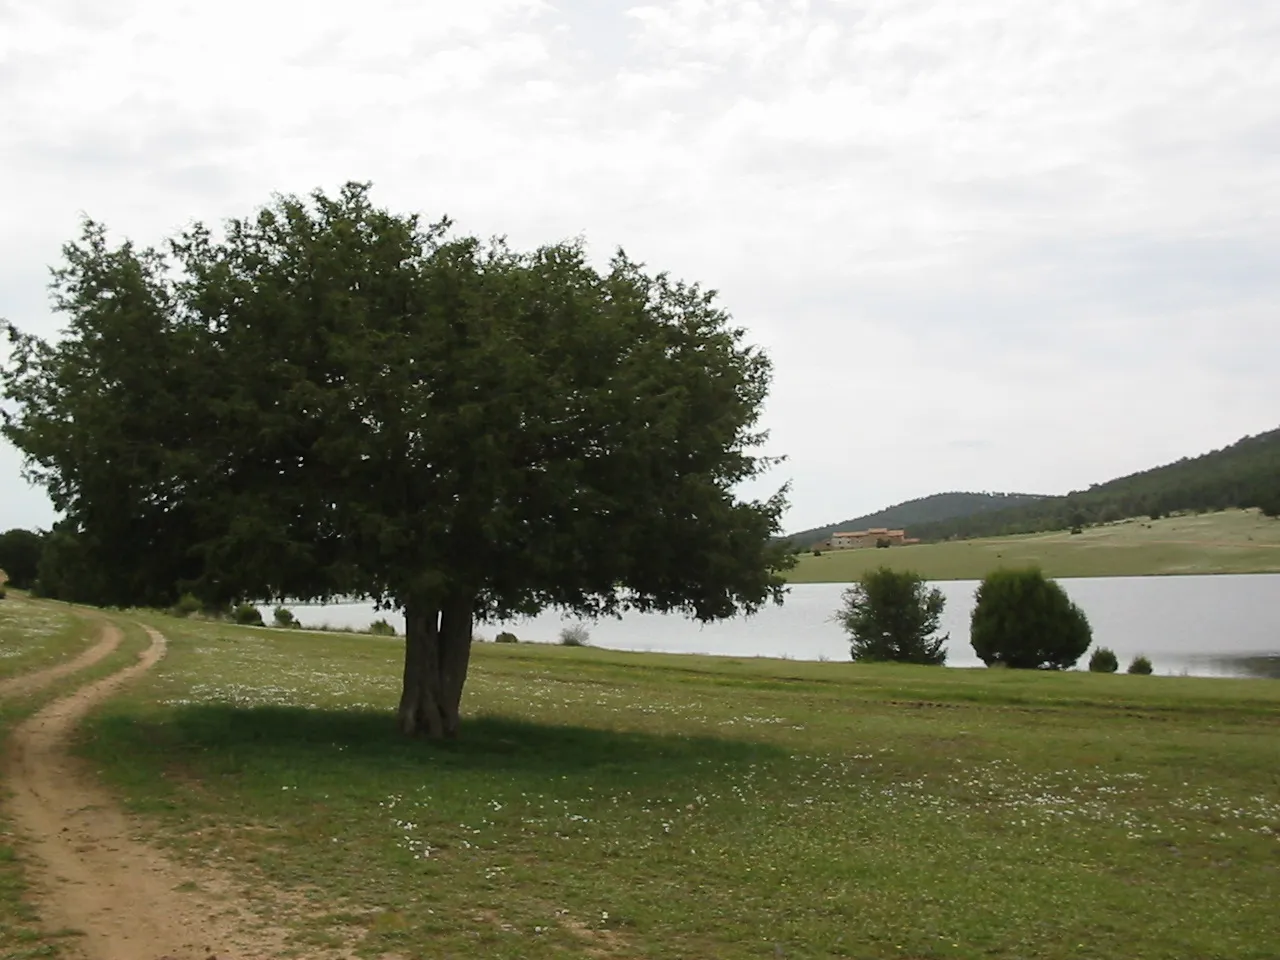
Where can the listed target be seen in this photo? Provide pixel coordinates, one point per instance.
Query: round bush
(247, 614)
(382, 628)
(506, 637)
(1023, 620)
(1140, 665)
(1103, 660)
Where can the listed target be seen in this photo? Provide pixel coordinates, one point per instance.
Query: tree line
(1245, 474)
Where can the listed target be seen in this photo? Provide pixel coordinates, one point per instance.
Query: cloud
(991, 245)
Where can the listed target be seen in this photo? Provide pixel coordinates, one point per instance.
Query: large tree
(334, 400)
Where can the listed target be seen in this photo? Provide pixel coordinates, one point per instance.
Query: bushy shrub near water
(247, 614)
(1140, 665)
(575, 635)
(893, 616)
(381, 628)
(1103, 660)
(506, 637)
(1023, 620)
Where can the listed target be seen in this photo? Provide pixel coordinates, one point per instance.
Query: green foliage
(595, 424)
(913, 513)
(1021, 619)
(894, 616)
(247, 614)
(575, 635)
(1140, 665)
(506, 637)
(20, 556)
(1103, 660)
(1245, 474)
(284, 617)
(187, 604)
(382, 628)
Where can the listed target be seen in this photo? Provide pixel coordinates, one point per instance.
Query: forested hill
(1245, 474)
(925, 510)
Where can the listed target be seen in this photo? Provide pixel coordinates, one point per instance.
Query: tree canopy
(330, 399)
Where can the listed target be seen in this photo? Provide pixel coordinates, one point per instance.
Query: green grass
(623, 805)
(1233, 541)
(36, 634)
(40, 634)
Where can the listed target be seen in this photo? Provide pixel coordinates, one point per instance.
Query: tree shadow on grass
(353, 740)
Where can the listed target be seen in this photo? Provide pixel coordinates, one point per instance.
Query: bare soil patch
(93, 872)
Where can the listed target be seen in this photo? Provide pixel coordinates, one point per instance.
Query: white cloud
(990, 245)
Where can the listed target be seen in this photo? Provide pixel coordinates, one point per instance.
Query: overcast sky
(990, 245)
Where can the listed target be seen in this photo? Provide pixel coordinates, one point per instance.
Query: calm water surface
(1204, 626)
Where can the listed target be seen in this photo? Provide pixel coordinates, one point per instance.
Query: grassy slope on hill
(924, 510)
(620, 805)
(1233, 541)
(1244, 474)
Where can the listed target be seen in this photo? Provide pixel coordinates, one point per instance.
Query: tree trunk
(456, 624)
(437, 649)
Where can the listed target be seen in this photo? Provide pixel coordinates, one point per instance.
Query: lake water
(1222, 625)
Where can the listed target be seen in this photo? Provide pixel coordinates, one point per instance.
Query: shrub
(247, 614)
(506, 637)
(381, 628)
(1023, 620)
(3, 592)
(893, 616)
(284, 618)
(187, 604)
(817, 553)
(882, 543)
(1103, 660)
(576, 635)
(1140, 665)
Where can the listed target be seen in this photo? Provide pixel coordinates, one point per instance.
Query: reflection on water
(1268, 666)
(1201, 625)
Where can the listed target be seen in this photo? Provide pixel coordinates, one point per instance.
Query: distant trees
(893, 616)
(1021, 619)
(20, 556)
(1245, 474)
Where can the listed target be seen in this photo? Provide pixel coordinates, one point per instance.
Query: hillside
(1245, 474)
(1233, 541)
(911, 514)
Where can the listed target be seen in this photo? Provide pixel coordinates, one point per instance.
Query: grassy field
(1234, 541)
(34, 635)
(619, 805)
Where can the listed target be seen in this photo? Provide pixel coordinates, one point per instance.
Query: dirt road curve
(94, 874)
(30, 682)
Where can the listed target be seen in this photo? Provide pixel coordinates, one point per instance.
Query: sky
(990, 245)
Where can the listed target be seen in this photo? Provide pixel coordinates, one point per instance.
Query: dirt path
(96, 875)
(26, 683)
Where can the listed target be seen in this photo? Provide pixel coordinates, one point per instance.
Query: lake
(1223, 625)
